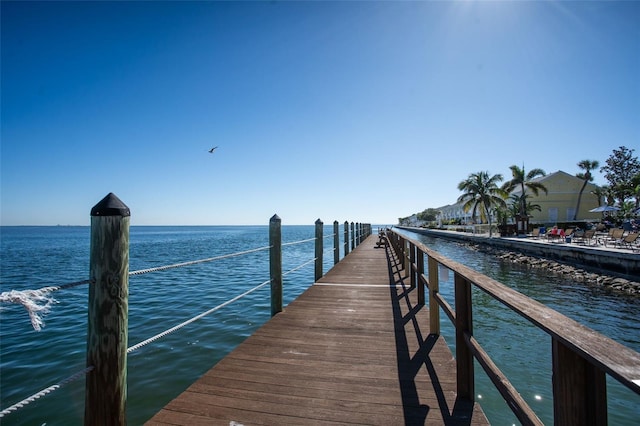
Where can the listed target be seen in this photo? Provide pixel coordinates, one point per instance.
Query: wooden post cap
(110, 206)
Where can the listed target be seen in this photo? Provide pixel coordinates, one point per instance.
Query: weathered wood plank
(354, 348)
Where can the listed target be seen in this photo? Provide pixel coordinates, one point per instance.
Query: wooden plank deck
(352, 349)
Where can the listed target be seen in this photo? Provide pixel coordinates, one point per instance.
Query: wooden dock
(354, 348)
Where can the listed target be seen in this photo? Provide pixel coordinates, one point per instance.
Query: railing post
(108, 309)
(464, 325)
(401, 252)
(406, 260)
(579, 388)
(357, 234)
(434, 288)
(318, 267)
(420, 273)
(346, 237)
(353, 237)
(412, 261)
(336, 243)
(275, 263)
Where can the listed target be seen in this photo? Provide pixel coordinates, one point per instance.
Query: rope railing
(38, 302)
(210, 311)
(197, 317)
(293, 243)
(80, 374)
(195, 262)
(299, 267)
(44, 392)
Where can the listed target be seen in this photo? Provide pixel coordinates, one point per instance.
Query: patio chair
(551, 236)
(630, 241)
(590, 238)
(615, 236)
(535, 233)
(578, 235)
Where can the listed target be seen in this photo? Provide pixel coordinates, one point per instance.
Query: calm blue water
(34, 257)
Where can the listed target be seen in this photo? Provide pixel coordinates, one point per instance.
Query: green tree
(523, 181)
(428, 215)
(516, 203)
(603, 193)
(635, 182)
(586, 176)
(481, 192)
(621, 170)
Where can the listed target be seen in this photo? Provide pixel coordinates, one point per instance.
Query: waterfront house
(558, 205)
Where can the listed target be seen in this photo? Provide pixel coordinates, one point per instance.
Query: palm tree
(516, 203)
(523, 180)
(587, 166)
(603, 193)
(635, 181)
(482, 192)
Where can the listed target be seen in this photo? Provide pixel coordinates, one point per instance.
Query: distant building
(455, 213)
(411, 221)
(558, 205)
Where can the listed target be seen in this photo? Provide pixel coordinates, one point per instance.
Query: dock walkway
(354, 348)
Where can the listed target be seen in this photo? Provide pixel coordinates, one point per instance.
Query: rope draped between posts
(298, 242)
(197, 317)
(195, 262)
(78, 375)
(284, 274)
(45, 392)
(210, 311)
(38, 302)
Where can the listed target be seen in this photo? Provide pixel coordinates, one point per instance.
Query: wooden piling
(353, 237)
(318, 250)
(107, 338)
(346, 237)
(336, 243)
(275, 263)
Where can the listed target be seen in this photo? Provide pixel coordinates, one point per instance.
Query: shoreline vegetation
(601, 279)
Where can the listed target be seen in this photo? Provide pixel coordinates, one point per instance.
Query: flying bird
(212, 149)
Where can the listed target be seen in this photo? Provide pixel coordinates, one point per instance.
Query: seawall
(621, 261)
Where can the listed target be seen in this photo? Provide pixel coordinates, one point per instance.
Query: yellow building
(559, 204)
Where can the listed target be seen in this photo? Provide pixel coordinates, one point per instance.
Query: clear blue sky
(359, 111)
